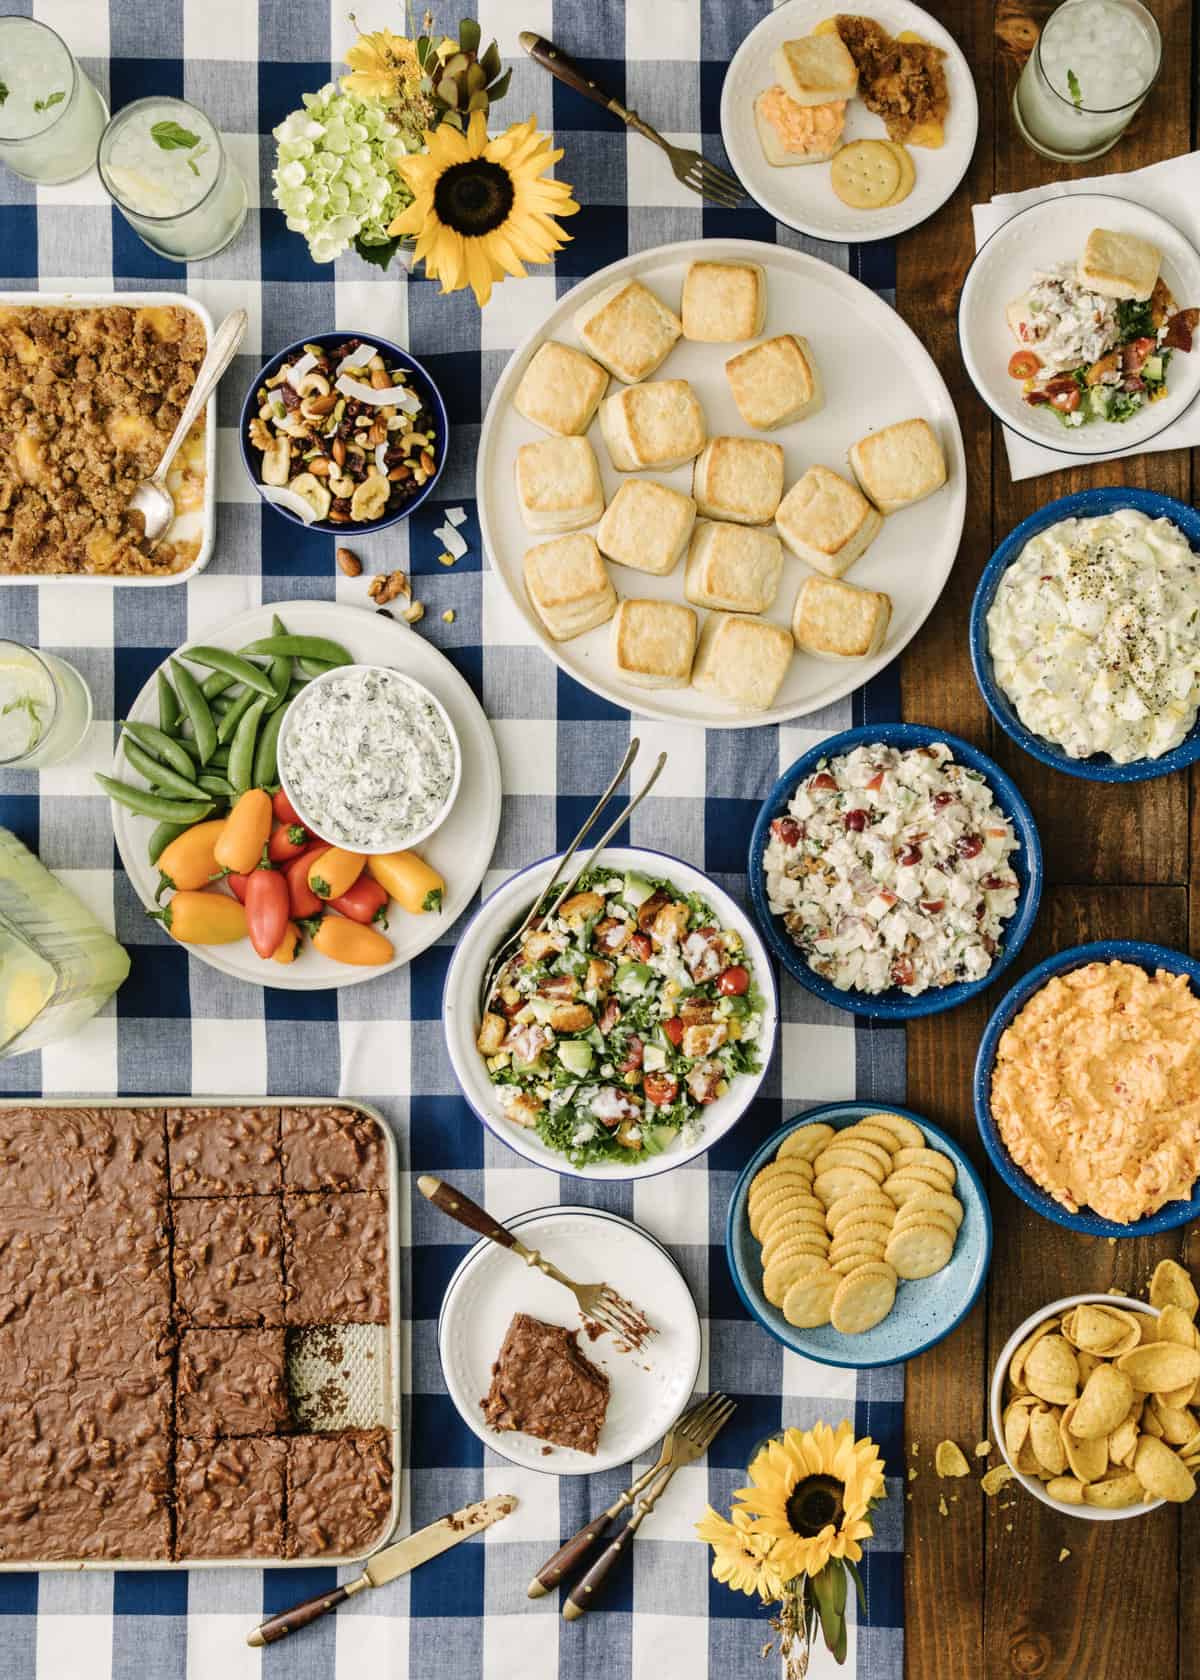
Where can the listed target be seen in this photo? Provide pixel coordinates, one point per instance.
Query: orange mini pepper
(335, 872)
(247, 830)
(190, 860)
(203, 918)
(288, 945)
(351, 942)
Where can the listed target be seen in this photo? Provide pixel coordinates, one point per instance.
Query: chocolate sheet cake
(543, 1385)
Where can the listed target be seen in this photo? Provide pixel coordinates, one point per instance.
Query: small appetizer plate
(648, 1386)
(801, 195)
(1084, 504)
(1055, 230)
(925, 1310)
(1150, 957)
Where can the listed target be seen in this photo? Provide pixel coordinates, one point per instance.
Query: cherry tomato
(364, 901)
(1023, 364)
(304, 901)
(1067, 400)
(639, 944)
(674, 1030)
(267, 907)
(285, 811)
(733, 982)
(660, 1088)
(287, 842)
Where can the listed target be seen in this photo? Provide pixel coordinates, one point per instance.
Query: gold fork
(693, 170)
(694, 1434)
(597, 1301)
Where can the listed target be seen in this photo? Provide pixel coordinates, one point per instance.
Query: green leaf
(3, 92)
(378, 255)
(499, 88)
(422, 49)
(50, 99)
(491, 62)
(171, 137)
(469, 34)
(1074, 89)
(478, 102)
(858, 1585)
(828, 1588)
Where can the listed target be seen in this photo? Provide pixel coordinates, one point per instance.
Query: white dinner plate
(648, 1386)
(801, 195)
(1048, 232)
(875, 371)
(460, 850)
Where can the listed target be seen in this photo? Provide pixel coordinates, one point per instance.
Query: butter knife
(390, 1563)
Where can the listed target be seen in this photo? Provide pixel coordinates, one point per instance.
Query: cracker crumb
(445, 559)
(912, 1472)
(943, 1508)
(1064, 1554)
(448, 616)
(982, 1449)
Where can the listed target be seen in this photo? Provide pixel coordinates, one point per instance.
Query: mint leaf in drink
(1074, 89)
(171, 137)
(50, 99)
(191, 165)
(3, 92)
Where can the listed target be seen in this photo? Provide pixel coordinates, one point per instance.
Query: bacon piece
(703, 1080)
(558, 986)
(526, 1042)
(1180, 329)
(1133, 354)
(704, 954)
(610, 1017)
(634, 1050)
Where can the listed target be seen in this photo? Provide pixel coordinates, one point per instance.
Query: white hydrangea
(335, 177)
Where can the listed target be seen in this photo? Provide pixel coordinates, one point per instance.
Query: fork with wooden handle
(690, 167)
(597, 1301)
(572, 1552)
(694, 1435)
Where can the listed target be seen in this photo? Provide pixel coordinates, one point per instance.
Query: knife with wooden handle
(389, 1564)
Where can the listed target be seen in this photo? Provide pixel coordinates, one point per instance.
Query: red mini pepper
(237, 885)
(267, 910)
(287, 842)
(362, 902)
(285, 811)
(304, 900)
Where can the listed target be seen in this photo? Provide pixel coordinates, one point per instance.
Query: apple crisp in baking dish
(89, 398)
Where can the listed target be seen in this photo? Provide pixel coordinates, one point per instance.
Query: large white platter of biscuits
(874, 373)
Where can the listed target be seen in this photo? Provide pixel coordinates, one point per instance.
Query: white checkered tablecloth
(178, 1026)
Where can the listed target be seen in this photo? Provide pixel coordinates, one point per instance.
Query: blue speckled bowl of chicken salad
(895, 870)
(626, 1036)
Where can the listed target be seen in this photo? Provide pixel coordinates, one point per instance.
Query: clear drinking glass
(166, 170)
(45, 708)
(51, 116)
(1093, 65)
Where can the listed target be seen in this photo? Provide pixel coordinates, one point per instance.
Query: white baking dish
(134, 300)
(390, 1375)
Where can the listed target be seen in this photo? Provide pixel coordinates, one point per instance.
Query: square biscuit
(659, 424)
(560, 390)
(628, 329)
(827, 521)
(775, 382)
(1119, 265)
(654, 642)
(568, 585)
(740, 479)
(723, 301)
(838, 620)
(744, 660)
(646, 526)
(899, 465)
(558, 484)
(816, 69)
(733, 568)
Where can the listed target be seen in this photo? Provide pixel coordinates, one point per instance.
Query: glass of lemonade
(1093, 64)
(45, 708)
(166, 170)
(51, 116)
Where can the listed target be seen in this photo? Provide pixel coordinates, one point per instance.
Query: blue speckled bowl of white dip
(405, 746)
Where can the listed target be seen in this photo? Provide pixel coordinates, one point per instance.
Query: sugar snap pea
(168, 704)
(228, 726)
(232, 665)
(241, 752)
(315, 667)
(162, 746)
(160, 776)
(197, 709)
(266, 767)
(185, 811)
(302, 647)
(217, 785)
(281, 668)
(216, 684)
(162, 837)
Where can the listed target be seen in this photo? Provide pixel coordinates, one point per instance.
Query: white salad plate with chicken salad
(460, 847)
(675, 589)
(628, 1035)
(1076, 323)
(794, 185)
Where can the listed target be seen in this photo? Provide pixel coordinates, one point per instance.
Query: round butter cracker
(863, 1298)
(865, 174)
(908, 173)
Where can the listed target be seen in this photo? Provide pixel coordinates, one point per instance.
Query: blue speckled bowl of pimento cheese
(369, 759)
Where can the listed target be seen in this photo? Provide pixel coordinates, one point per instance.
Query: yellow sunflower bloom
(483, 208)
(811, 1496)
(740, 1556)
(381, 64)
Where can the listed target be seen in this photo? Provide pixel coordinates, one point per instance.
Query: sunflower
(740, 1556)
(382, 65)
(483, 208)
(812, 1494)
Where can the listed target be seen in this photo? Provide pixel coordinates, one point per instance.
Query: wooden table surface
(986, 1594)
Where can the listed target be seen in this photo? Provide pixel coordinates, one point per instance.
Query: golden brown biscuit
(654, 642)
(558, 484)
(739, 479)
(647, 526)
(838, 620)
(775, 382)
(568, 585)
(659, 424)
(733, 568)
(724, 301)
(827, 521)
(560, 390)
(627, 329)
(744, 660)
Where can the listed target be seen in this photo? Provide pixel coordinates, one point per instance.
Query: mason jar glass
(45, 708)
(164, 167)
(51, 116)
(1092, 66)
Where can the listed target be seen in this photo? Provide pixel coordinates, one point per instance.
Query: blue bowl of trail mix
(344, 433)
(625, 1037)
(895, 870)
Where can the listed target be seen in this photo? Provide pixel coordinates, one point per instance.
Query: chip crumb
(949, 1461)
(916, 1447)
(448, 616)
(1064, 1554)
(982, 1449)
(912, 1472)
(1008, 1528)
(445, 559)
(995, 1479)
(943, 1508)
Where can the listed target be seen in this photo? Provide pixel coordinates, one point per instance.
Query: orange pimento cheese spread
(803, 128)
(1096, 1089)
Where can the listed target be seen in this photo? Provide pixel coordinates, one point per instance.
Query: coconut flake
(289, 499)
(298, 369)
(456, 516)
(381, 450)
(357, 358)
(451, 540)
(390, 397)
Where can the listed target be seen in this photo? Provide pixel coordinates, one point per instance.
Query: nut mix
(336, 442)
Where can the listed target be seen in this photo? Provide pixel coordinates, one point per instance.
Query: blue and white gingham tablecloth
(179, 1026)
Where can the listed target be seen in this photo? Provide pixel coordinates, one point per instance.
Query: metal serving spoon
(152, 499)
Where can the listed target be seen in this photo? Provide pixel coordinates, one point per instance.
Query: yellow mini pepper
(413, 883)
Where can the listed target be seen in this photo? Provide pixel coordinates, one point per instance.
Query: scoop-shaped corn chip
(1016, 1365)
(1088, 1459)
(1172, 1285)
(1068, 1490)
(1104, 1402)
(1159, 1366)
(1045, 1438)
(948, 1460)
(1162, 1472)
(1051, 1370)
(1115, 1491)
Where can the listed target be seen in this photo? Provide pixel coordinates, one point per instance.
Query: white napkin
(1173, 190)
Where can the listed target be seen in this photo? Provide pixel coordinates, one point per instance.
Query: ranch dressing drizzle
(369, 758)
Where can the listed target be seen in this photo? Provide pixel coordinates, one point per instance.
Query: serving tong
(537, 919)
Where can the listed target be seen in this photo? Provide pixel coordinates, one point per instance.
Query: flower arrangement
(795, 1535)
(399, 153)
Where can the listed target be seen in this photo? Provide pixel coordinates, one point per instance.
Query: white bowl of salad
(1063, 365)
(626, 1037)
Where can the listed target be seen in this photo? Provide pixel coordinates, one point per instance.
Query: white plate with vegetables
(457, 854)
